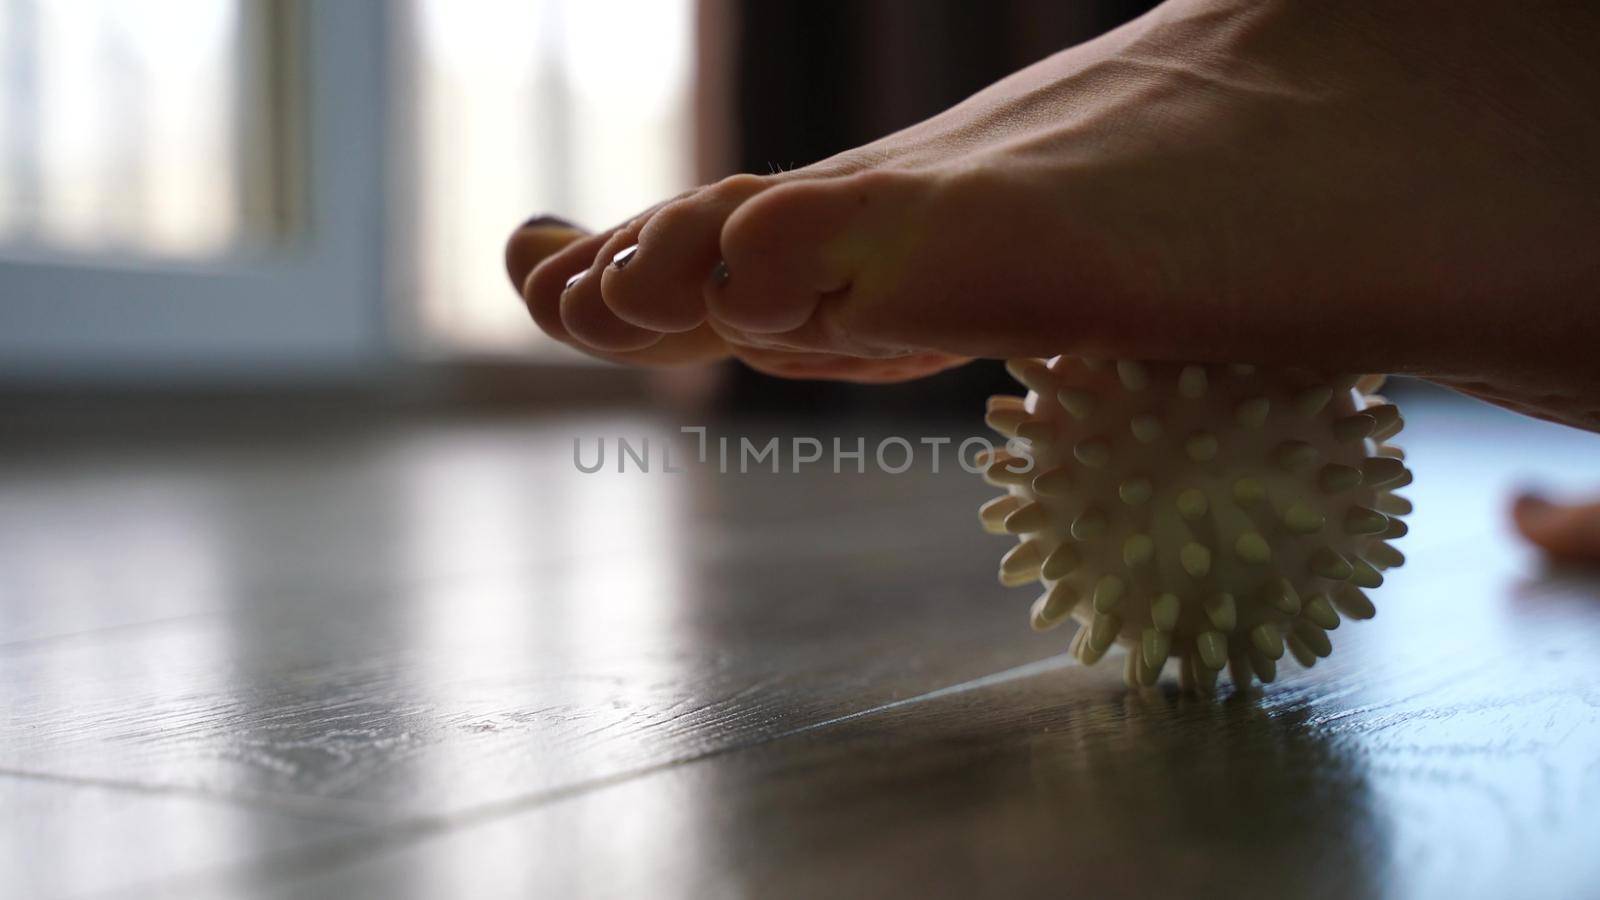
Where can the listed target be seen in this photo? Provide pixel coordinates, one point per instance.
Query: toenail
(548, 221)
(622, 259)
(575, 279)
(719, 275)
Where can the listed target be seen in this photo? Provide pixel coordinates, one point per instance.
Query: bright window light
(119, 123)
(575, 107)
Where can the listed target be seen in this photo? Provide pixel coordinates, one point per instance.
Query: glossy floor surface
(430, 658)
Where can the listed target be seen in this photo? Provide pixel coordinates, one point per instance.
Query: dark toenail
(622, 259)
(575, 279)
(719, 275)
(548, 221)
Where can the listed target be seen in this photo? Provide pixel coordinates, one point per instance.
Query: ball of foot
(1212, 515)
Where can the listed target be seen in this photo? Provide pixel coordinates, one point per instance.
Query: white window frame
(311, 305)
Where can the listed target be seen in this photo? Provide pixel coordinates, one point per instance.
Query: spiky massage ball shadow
(1211, 514)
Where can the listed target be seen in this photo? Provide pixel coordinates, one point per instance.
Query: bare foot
(1365, 185)
(1566, 532)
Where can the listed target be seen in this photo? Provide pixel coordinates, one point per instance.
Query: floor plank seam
(298, 806)
(28, 644)
(334, 854)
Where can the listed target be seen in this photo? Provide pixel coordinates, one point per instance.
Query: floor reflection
(1202, 786)
(552, 675)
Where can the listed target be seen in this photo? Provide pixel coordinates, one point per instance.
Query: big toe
(799, 244)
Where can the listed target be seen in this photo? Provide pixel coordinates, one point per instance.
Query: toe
(584, 312)
(792, 247)
(1567, 532)
(834, 367)
(535, 241)
(700, 345)
(584, 315)
(544, 285)
(563, 293)
(658, 281)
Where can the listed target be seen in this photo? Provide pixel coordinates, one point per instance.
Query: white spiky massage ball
(1204, 513)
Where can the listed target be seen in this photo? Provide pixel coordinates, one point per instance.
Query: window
(193, 189)
(576, 107)
(136, 128)
(296, 188)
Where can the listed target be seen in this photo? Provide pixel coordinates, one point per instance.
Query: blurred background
(282, 221)
(269, 196)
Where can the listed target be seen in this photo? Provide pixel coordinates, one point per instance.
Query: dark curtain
(814, 77)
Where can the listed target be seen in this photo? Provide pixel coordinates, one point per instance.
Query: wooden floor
(429, 658)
